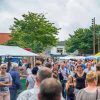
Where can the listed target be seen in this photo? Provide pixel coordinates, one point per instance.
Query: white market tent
(72, 57)
(14, 51)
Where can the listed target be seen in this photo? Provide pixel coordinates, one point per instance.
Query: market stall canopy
(72, 57)
(98, 54)
(14, 51)
(90, 57)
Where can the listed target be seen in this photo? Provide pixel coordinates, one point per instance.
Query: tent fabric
(14, 51)
(98, 54)
(90, 57)
(72, 57)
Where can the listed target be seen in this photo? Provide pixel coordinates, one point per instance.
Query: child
(70, 88)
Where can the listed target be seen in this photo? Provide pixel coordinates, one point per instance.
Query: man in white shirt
(32, 94)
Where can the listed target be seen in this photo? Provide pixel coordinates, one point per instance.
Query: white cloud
(66, 14)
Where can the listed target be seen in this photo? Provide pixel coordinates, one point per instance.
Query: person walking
(80, 77)
(91, 92)
(70, 88)
(5, 82)
(31, 79)
(16, 84)
(50, 89)
(32, 94)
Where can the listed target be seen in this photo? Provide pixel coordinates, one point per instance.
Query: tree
(33, 31)
(82, 40)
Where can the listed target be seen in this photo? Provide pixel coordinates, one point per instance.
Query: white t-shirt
(28, 71)
(31, 80)
(31, 94)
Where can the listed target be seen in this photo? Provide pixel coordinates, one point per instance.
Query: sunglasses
(3, 68)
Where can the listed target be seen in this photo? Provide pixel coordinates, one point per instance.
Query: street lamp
(98, 34)
(93, 27)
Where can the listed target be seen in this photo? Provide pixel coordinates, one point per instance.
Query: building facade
(58, 50)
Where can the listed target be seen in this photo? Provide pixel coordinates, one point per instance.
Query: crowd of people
(48, 80)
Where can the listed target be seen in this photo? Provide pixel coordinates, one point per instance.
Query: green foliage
(33, 31)
(82, 40)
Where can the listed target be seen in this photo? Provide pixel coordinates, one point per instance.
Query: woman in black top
(80, 77)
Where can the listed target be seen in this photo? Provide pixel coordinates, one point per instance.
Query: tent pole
(34, 61)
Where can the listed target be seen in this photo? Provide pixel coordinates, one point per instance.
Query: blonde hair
(38, 62)
(14, 65)
(70, 77)
(2, 65)
(91, 77)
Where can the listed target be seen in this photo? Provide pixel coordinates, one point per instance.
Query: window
(59, 50)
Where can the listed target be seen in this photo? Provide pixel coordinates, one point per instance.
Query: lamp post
(98, 41)
(93, 27)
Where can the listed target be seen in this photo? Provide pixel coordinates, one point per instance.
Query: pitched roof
(4, 37)
(61, 43)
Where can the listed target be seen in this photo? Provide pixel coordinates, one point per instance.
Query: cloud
(66, 14)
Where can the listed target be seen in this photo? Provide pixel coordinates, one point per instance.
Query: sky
(69, 15)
